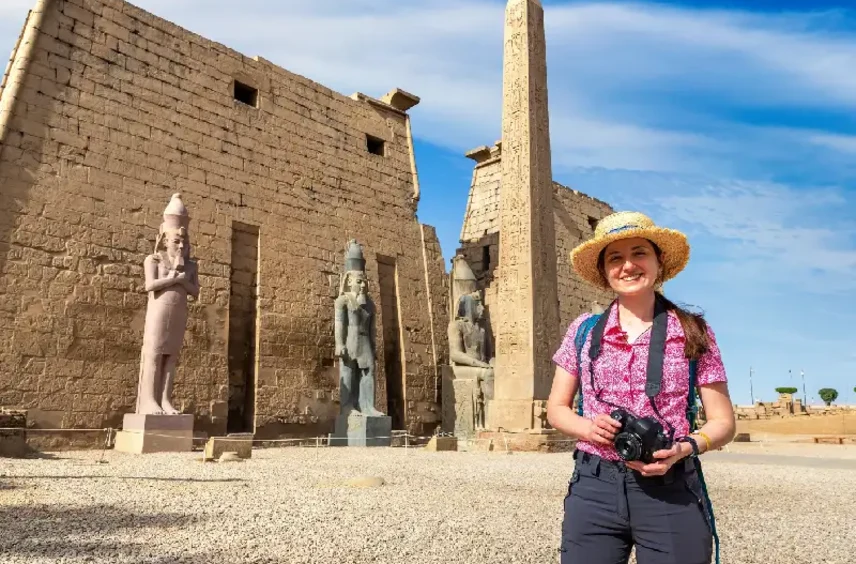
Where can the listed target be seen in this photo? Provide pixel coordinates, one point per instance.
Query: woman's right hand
(601, 430)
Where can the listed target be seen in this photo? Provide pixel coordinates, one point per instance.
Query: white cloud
(743, 232)
(843, 143)
(626, 83)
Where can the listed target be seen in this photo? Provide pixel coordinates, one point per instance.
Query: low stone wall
(842, 423)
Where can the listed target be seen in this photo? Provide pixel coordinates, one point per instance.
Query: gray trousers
(609, 508)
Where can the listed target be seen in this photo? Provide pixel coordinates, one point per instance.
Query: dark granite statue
(355, 337)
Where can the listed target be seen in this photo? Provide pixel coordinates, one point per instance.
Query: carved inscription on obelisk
(528, 320)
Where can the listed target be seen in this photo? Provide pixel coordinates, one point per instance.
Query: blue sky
(734, 121)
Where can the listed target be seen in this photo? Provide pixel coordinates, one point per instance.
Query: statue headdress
(354, 262)
(175, 216)
(354, 257)
(463, 281)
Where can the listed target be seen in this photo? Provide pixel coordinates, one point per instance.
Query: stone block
(357, 429)
(437, 444)
(144, 434)
(239, 443)
(13, 440)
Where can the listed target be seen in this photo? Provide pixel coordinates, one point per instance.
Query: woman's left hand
(664, 459)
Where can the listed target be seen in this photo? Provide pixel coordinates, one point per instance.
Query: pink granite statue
(170, 278)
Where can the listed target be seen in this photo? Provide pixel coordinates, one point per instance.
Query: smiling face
(631, 266)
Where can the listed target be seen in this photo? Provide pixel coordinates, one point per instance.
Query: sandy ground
(774, 504)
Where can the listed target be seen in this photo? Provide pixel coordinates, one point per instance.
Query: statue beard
(361, 299)
(178, 262)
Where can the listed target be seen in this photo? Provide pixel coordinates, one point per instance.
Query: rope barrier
(318, 440)
(30, 430)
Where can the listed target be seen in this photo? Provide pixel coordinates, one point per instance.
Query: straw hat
(626, 225)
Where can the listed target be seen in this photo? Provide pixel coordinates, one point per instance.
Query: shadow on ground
(64, 533)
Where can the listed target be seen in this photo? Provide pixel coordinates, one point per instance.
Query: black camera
(639, 437)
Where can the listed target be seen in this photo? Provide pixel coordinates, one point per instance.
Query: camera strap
(656, 356)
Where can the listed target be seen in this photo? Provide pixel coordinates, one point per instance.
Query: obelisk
(527, 304)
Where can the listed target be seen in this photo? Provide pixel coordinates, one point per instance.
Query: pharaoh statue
(469, 343)
(355, 337)
(171, 278)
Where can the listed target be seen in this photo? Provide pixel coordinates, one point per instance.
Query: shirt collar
(613, 332)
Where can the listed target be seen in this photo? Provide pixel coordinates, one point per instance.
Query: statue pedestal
(460, 395)
(357, 429)
(143, 434)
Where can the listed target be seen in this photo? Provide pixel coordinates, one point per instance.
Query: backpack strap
(692, 413)
(692, 408)
(579, 340)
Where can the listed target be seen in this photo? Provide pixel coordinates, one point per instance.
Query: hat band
(622, 228)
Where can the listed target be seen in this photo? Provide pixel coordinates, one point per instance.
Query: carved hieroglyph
(526, 316)
(171, 278)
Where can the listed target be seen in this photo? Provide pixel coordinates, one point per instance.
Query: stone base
(144, 434)
(511, 415)
(459, 399)
(360, 430)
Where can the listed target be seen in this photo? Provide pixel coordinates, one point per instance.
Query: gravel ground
(291, 505)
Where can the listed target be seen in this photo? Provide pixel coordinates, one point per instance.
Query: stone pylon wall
(574, 215)
(106, 111)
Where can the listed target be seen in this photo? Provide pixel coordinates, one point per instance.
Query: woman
(615, 502)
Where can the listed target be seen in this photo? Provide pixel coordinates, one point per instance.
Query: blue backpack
(692, 411)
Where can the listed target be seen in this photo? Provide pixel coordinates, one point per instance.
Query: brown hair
(693, 324)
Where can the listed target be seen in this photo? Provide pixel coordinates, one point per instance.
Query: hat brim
(673, 244)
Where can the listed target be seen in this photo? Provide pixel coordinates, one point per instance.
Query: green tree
(786, 390)
(828, 395)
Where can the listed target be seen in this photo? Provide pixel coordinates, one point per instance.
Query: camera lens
(628, 446)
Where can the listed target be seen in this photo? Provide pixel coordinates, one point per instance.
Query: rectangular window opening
(374, 145)
(246, 94)
(592, 222)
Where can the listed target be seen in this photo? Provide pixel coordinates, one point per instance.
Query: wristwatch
(693, 444)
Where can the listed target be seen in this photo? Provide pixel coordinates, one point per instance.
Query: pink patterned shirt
(620, 372)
